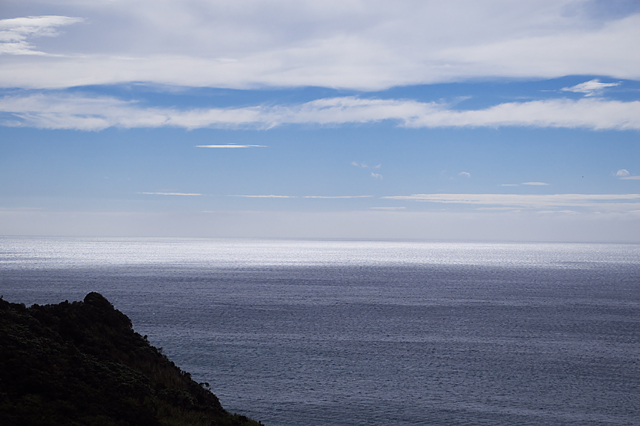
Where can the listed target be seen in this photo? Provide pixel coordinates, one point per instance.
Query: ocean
(369, 332)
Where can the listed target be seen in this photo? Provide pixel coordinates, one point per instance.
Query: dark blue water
(356, 333)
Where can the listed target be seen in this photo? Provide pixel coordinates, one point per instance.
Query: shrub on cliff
(82, 363)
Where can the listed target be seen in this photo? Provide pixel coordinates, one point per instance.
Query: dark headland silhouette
(82, 363)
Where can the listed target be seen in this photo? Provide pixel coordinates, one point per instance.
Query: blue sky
(464, 120)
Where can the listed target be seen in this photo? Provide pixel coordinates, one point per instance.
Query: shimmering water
(370, 333)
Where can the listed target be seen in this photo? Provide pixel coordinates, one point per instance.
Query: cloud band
(54, 111)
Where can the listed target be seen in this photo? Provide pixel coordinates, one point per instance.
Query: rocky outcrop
(82, 363)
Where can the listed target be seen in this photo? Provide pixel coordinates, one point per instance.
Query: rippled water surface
(370, 333)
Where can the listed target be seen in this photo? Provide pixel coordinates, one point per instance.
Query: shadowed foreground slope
(81, 363)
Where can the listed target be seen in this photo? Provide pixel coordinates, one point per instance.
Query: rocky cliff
(82, 363)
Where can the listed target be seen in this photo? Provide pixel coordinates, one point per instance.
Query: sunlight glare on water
(69, 253)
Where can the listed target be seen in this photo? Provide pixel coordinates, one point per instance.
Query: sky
(463, 120)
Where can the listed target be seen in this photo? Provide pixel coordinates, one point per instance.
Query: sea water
(370, 333)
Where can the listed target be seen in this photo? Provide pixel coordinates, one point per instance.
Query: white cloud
(535, 183)
(584, 113)
(231, 146)
(558, 212)
(361, 165)
(388, 208)
(263, 196)
(466, 174)
(624, 202)
(170, 193)
(55, 111)
(15, 32)
(624, 174)
(376, 175)
(344, 44)
(337, 196)
(498, 209)
(590, 88)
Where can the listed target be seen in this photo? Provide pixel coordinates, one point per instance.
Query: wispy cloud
(337, 196)
(388, 208)
(592, 114)
(263, 196)
(558, 212)
(606, 201)
(465, 174)
(231, 146)
(15, 32)
(55, 111)
(170, 193)
(525, 183)
(631, 178)
(590, 88)
(376, 175)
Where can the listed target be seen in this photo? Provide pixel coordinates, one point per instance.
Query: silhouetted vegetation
(81, 363)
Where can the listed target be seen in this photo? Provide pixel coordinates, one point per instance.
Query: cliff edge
(82, 363)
